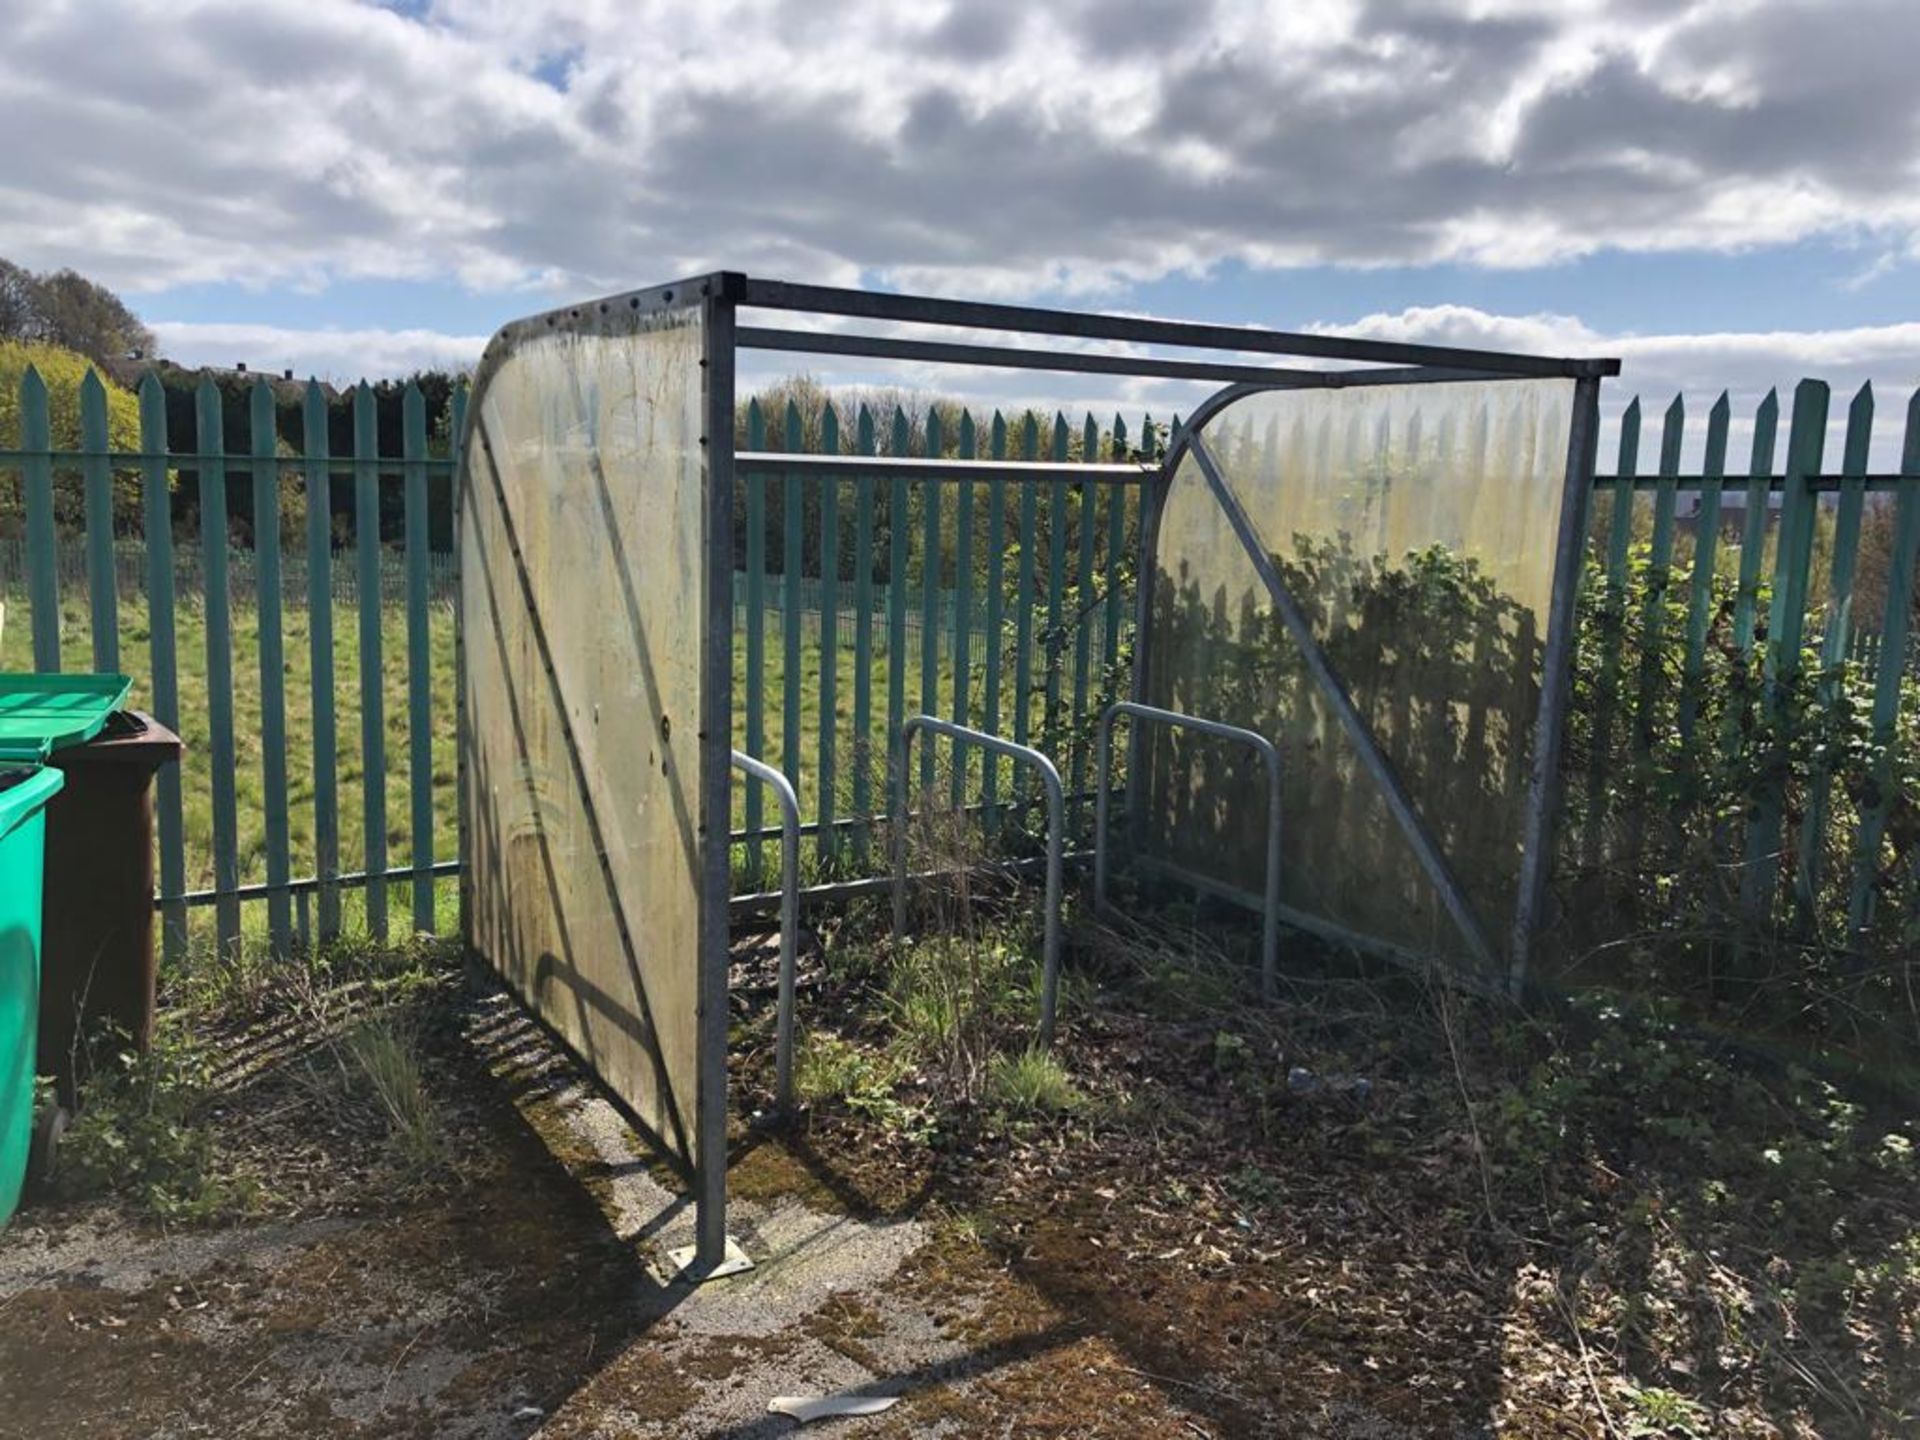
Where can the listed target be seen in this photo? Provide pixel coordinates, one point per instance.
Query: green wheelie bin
(37, 714)
(24, 793)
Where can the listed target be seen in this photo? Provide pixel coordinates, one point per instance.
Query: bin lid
(24, 790)
(40, 713)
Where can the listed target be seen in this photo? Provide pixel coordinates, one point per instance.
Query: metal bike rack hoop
(1269, 757)
(1056, 840)
(789, 917)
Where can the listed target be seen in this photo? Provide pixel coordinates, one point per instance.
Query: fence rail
(319, 770)
(133, 573)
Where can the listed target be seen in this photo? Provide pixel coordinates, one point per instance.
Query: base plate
(733, 1262)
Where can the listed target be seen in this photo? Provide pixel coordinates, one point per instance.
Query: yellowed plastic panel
(583, 567)
(1415, 525)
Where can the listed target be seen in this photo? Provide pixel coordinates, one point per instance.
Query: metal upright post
(713, 1254)
(1546, 787)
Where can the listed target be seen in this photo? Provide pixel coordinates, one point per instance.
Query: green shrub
(140, 1131)
(64, 371)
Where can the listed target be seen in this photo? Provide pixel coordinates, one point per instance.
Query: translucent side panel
(583, 567)
(1415, 526)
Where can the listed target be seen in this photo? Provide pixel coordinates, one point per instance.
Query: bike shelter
(1369, 561)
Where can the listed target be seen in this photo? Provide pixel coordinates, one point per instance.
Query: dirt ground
(527, 1299)
(1227, 1244)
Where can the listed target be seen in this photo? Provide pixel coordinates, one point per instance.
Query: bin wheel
(48, 1128)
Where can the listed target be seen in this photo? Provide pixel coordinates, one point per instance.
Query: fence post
(898, 538)
(1706, 541)
(1833, 644)
(792, 550)
(43, 579)
(1786, 627)
(930, 594)
(1117, 547)
(1648, 698)
(963, 611)
(220, 756)
(863, 643)
(756, 633)
(1613, 624)
(1084, 611)
(829, 634)
(103, 593)
(996, 604)
(1059, 503)
(457, 431)
(1025, 584)
(326, 795)
(1890, 676)
(413, 421)
(373, 731)
(273, 705)
(157, 500)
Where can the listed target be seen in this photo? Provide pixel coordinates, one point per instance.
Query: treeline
(64, 373)
(63, 324)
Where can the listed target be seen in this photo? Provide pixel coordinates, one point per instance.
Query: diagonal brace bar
(1334, 691)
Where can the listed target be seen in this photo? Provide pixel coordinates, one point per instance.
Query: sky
(1723, 193)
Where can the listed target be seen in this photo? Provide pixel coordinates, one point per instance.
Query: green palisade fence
(214, 564)
(274, 566)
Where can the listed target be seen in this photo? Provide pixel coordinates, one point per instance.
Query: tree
(65, 308)
(19, 313)
(81, 315)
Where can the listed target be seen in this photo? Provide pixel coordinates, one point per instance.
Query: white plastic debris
(808, 1408)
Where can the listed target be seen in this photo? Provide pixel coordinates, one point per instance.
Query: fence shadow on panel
(1445, 669)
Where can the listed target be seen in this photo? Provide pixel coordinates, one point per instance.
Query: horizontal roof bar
(1009, 357)
(774, 462)
(926, 310)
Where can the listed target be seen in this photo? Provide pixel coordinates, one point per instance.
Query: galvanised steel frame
(721, 296)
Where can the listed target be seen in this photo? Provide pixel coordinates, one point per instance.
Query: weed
(950, 997)
(1031, 1082)
(384, 1066)
(1659, 1411)
(355, 1000)
(973, 1227)
(829, 1068)
(139, 1131)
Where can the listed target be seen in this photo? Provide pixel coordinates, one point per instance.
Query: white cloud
(328, 354)
(988, 144)
(1697, 367)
